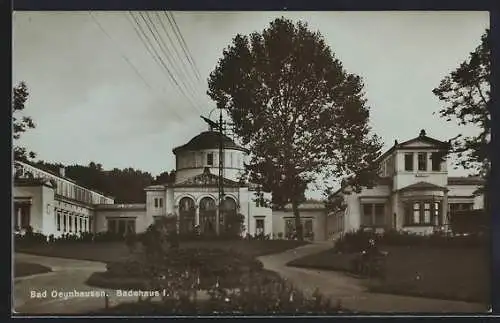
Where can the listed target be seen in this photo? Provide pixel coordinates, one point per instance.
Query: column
(444, 215)
(217, 219)
(18, 215)
(197, 215)
(177, 218)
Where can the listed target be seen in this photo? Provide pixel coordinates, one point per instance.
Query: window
(58, 220)
(408, 161)
(64, 222)
(85, 229)
(373, 214)
(308, 228)
(81, 223)
(259, 226)
(70, 223)
(76, 224)
(454, 207)
(436, 162)
(158, 202)
(422, 161)
(25, 216)
(423, 213)
(210, 159)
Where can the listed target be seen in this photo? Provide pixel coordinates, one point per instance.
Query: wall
(36, 211)
(49, 225)
(404, 178)
(151, 194)
(378, 194)
(136, 211)
(190, 163)
(318, 216)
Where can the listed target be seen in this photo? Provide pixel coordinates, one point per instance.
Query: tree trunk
(298, 223)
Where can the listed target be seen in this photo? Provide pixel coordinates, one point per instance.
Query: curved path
(67, 275)
(71, 274)
(350, 291)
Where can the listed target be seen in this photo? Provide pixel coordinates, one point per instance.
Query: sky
(97, 93)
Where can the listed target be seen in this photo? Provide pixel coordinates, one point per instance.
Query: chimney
(62, 171)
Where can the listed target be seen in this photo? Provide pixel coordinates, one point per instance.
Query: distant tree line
(125, 185)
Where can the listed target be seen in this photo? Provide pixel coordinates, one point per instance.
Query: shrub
(358, 241)
(258, 293)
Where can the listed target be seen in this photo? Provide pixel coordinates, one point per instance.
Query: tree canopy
(20, 123)
(296, 108)
(465, 94)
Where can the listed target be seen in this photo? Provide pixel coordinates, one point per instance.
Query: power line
(182, 41)
(158, 58)
(165, 67)
(164, 48)
(171, 41)
(125, 57)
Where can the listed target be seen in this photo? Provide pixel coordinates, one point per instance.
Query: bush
(352, 242)
(206, 266)
(258, 293)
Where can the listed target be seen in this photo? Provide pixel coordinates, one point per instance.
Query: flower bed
(206, 266)
(258, 293)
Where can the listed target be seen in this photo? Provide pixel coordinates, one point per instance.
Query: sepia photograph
(250, 163)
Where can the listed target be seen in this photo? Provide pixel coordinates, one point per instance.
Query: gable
(419, 144)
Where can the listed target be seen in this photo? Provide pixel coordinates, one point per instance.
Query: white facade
(414, 192)
(52, 203)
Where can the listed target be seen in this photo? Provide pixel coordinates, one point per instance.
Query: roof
(421, 137)
(472, 180)
(422, 186)
(207, 179)
(32, 182)
(307, 206)
(208, 140)
(61, 177)
(378, 181)
(121, 207)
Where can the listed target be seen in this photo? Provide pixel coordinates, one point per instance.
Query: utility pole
(219, 126)
(221, 173)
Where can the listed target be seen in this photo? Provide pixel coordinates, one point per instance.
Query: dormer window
(210, 159)
(408, 161)
(422, 161)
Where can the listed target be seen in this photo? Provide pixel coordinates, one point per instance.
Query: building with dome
(54, 204)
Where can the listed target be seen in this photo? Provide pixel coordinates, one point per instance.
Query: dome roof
(208, 140)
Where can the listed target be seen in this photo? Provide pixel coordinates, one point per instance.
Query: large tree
(465, 94)
(296, 108)
(20, 123)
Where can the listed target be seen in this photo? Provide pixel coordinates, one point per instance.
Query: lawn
(444, 273)
(22, 269)
(116, 251)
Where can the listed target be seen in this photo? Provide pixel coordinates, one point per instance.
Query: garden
(204, 276)
(435, 266)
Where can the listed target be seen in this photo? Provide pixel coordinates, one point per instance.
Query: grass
(442, 273)
(117, 251)
(22, 269)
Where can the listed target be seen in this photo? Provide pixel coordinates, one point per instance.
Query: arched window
(186, 215)
(208, 210)
(229, 220)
